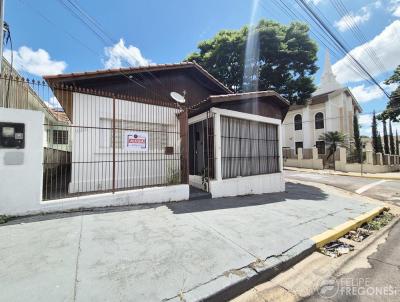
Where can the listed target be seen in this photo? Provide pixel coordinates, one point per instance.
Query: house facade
(127, 131)
(331, 108)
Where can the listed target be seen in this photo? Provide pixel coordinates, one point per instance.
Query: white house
(331, 108)
(111, 108)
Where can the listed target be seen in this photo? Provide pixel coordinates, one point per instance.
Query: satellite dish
(177, 97)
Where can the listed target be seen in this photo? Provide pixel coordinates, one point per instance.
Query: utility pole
(1, 33)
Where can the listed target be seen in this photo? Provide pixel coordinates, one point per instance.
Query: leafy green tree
(391, 139)
(379, 143)
(286, 62)
(393, 107)
(333, 139)
(385, 137)
(357, 139)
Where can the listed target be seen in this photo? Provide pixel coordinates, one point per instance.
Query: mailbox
(12, 135)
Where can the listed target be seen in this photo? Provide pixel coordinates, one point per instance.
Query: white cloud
(386, 45)
(352, 19)
(364, 93)
(36, 62)
(365, 121)
(394, 8)
(119, 55)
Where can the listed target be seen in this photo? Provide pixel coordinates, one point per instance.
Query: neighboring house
(234, 139)
(18, 93)
(331, 108)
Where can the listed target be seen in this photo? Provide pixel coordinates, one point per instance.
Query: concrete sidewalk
(389, 175)
(188, 250)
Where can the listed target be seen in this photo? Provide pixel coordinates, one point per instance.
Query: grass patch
(3, 219)
(379, 221)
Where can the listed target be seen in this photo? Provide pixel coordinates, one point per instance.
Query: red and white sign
(136, 141)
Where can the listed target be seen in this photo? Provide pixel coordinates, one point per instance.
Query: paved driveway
(163, 252)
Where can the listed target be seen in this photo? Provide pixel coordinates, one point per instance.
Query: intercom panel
(12, 135)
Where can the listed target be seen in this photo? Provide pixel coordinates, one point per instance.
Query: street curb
(365, 175)
(234, 290)
(340, 230)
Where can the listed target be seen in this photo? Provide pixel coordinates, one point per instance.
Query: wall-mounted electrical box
(12, 135)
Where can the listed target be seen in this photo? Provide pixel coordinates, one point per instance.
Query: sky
(49, 39)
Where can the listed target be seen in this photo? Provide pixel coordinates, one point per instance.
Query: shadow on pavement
(293, 191)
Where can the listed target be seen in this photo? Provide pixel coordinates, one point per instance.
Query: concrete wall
(256, 184)
(21, 184)
(316, 164)
(92, 148)
(368, 166)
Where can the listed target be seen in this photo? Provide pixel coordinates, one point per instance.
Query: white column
(217, 146)
(308, 129)
(299, 154)
(314, 153)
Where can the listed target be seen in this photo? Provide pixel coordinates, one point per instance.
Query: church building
(331, 108)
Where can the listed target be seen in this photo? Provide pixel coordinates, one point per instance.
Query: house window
(158, 133)
(60, 137)
(298, 145)
(248, 147)
(319, 120)
(320, 145)
(298, 123)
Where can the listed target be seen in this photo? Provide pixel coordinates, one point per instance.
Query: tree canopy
(286, 61)
(392, 111)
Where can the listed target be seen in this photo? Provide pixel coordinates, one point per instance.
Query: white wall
(92, 148)
(256, 184)
(21, 185)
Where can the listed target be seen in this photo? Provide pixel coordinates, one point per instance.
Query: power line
(323, 25)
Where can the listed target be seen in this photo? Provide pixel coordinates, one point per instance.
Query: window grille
(248, 148)
(298, 123)
(60, 137)
(319, 120)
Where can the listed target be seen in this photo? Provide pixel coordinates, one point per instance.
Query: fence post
(300, 154)
(314, 153)
(113, 156)
(342, 155)
(379, 160)
(184, 134)
(369, 157)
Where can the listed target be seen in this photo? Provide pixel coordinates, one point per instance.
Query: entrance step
(197, 194)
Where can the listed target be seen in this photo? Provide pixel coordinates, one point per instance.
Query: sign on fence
(136, 141)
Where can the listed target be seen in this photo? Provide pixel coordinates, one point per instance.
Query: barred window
(158, 134)
(60, 137)
(298, 123)
(320, 145)
(319, 120)
(248, 148)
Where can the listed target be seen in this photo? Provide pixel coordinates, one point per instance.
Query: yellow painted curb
(337, 232)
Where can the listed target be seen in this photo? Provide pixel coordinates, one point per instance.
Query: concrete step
(197, 194)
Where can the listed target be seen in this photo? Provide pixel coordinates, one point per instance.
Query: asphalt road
(385, 190)
(379, 282)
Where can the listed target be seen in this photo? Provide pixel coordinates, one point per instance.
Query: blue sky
(159, 31)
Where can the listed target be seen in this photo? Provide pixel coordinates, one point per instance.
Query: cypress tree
(357, 139)
(385, 137)
(374, 128)
(379, 143)
(391, 139)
